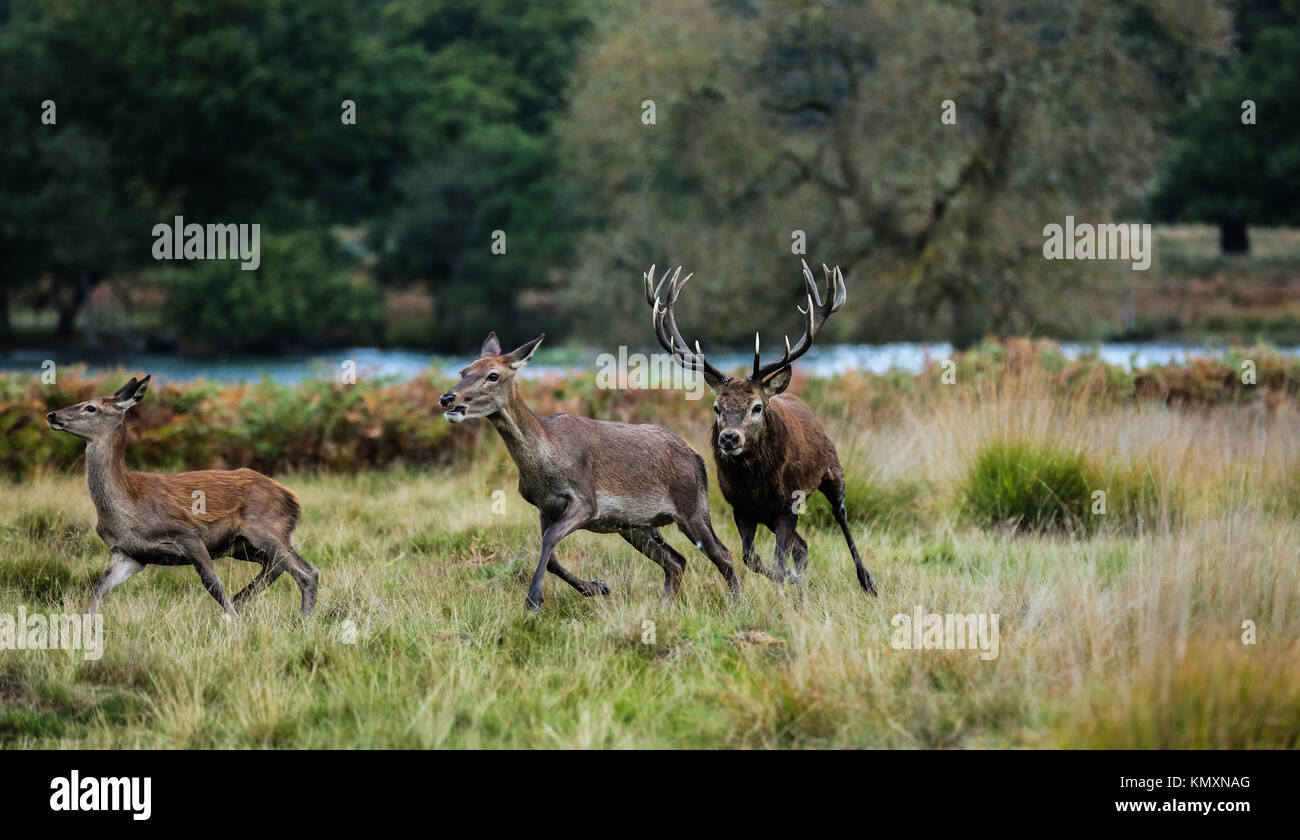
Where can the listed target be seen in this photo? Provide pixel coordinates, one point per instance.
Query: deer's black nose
(49, 418)
(728, 440)
(446, 399)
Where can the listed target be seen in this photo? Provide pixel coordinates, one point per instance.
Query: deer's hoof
(534, 605)
(598, 588)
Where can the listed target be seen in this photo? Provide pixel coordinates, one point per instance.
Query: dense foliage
(329, 426)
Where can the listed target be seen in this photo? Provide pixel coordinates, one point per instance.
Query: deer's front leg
(577, 514)
(785, 537)
(197, 552)
(747, 528)
(120, 568)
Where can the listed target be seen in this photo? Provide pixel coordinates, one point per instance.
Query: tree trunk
(1234, 238)
(71, 306)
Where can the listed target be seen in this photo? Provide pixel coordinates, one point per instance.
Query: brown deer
(592, 474)
(171, 520)
(767, 445)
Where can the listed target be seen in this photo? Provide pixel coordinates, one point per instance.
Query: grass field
(1123, 634)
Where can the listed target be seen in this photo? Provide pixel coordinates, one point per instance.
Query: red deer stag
(171, 520)
(592, 474)
(767, 446)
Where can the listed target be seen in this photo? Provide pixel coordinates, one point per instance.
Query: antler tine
(814, 317)
(757, 364)
(811, 285)
(665, 323)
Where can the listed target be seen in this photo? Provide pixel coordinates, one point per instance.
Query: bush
(300, 296)
(868, 502)
(1138, 499)
(1032, 487)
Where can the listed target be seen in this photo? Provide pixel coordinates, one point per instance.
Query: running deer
(594, 475)
(171, 520)
(767, 445)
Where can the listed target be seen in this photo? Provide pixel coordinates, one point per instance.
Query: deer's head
(489, 382)
(740, 407)
(98, 417)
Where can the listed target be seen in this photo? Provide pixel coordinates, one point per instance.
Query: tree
(1236, 157)
(825, 118)
(491, 77)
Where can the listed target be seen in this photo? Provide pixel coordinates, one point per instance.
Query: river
(407, 364)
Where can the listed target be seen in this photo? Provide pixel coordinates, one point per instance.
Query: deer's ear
(131, 393)
(491, 345)
(126, 390)
(521, 355)
(777, 382)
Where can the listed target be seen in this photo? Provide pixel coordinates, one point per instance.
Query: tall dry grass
(1112, 637)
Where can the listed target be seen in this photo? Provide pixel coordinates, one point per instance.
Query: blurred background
(602, 137)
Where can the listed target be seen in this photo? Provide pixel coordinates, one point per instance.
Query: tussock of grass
(1029, 487)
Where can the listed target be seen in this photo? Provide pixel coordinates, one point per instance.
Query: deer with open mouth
(594, 475)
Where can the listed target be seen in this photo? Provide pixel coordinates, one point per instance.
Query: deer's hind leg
(281, 557)
(833, 488)
(651, 543)
(304, 574)
(272, 567)
(699, 529)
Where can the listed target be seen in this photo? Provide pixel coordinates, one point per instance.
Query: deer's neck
(523, 434)
(106, 473)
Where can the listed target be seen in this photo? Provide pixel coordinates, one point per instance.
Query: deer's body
(183, 518)
(593, 475)
(769, 450)
(794, 455)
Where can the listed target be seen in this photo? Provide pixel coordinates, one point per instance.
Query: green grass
(1124, 632)
(445, 656)
(1037, 487)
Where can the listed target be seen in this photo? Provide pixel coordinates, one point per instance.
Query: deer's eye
(492, 377)
(758, 408)
(716, 410)
(90, 409)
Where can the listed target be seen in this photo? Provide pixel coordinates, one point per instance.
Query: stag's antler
(814, 316)
(670, 338)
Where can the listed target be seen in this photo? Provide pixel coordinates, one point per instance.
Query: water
(408, 364)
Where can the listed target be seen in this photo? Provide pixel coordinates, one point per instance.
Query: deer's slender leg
(747, 528)
(272, 568)
(304, 574)
(574, 517)
(120, 568)
(197, 553)
(586, 587)
(785, 537)
(700, 531)
(799, 551)
(649, 542)
(833, 489)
